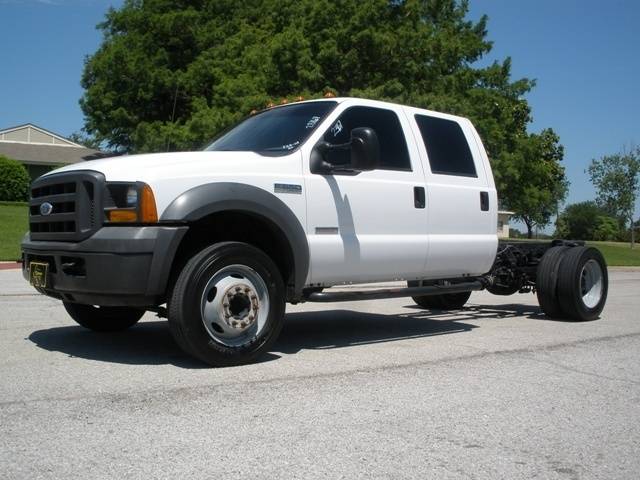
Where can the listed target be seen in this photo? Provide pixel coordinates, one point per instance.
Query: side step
(394, 292)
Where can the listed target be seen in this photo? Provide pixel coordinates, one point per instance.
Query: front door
(370, 226)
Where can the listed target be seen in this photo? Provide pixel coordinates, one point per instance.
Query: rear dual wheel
(572, 283)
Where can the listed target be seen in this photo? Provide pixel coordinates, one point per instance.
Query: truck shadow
(473, 311)
(344, 328)
(150, 343)
(146, 343)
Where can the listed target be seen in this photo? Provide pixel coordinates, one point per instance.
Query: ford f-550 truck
(291, 201)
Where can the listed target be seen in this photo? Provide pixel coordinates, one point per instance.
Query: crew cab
(290, 202)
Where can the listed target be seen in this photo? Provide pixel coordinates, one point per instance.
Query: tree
(82, 138)
(606, 228)
(617, 181)
(535, 179)
(170, 74)
(586, 221)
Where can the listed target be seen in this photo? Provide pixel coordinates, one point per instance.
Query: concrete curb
(10, 266)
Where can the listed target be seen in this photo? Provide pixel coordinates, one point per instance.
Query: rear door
(461, 199)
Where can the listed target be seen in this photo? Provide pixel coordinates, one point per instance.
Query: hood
(157, 166)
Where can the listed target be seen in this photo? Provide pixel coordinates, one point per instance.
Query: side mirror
(364, 154)
(365, 149)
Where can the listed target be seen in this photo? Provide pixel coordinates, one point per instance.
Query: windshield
(274, 132)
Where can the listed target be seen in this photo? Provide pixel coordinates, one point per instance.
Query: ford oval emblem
(46, 208)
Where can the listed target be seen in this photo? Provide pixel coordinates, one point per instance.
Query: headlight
(129, 203)
(132, 197)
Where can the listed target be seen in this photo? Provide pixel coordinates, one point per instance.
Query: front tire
(227, 306)
(103, 319)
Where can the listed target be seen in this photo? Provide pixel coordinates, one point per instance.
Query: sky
(583, 55)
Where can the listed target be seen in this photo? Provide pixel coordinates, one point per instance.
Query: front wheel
(103, 319)
(227, 305)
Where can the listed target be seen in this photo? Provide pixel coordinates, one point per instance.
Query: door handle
(484, 201)
(419, 200)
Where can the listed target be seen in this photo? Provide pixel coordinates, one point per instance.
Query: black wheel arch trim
(210, 198)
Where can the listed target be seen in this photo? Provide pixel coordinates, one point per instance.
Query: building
(503, 223)
(41, 150)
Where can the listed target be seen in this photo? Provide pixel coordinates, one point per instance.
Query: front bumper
(116, 266)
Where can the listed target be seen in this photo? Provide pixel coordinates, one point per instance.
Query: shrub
(606, 228)
(587, 221)
(14, 181)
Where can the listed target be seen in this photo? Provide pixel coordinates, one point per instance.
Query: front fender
(210, 198)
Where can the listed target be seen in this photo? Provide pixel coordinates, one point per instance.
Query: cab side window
(446, 146)
(394, 154)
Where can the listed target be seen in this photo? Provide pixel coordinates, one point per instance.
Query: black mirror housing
(365, 149)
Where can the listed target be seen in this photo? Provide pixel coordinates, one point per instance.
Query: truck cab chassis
(290, 202)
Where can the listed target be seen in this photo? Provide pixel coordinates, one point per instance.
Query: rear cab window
(447, 146)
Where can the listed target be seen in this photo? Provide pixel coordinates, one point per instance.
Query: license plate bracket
(38, 272)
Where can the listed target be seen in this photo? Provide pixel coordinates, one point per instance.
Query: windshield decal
(312, 123)
(337, 128)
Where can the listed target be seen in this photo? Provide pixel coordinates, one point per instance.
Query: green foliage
(170, 74)
(617, 181)
(606, 228)
(14, 180)
(587, 221)
(533, 178)
(82, 138)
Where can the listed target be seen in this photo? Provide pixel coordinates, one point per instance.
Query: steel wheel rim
(591, 283)
(234, 305)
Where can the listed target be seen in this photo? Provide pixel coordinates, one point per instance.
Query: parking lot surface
(377, 389)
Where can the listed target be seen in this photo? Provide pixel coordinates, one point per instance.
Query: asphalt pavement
(376, 389)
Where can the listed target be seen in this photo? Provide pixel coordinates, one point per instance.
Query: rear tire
(583, 283)
(227, 305)
(547, 281)
(103, 319)
(445, 301)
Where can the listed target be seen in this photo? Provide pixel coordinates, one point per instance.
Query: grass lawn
(13, 225)
(618, 254)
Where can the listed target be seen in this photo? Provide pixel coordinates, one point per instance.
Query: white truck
(290, 202)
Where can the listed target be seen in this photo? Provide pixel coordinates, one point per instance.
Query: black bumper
(116, 266)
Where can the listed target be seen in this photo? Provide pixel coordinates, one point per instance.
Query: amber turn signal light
(148, 212)
(122, 215)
